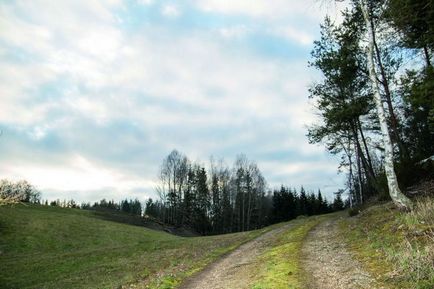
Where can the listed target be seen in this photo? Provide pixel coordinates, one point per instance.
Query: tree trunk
(367, 168)
(362, 135)
(427, 58)
(351, 177)
(393, 119)
(359, 173)
(400, 200)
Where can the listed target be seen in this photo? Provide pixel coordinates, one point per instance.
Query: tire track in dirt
(235, 270)
(328, 264)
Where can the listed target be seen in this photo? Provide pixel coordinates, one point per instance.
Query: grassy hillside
(397, 247)
(51, 247)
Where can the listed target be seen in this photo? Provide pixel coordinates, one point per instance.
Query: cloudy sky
(93, 94)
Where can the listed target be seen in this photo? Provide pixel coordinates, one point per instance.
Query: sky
(95, 94)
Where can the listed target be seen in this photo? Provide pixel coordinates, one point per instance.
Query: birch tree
(400, 200)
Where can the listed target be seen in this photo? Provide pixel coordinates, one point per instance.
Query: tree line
(129, 206)
(288, 204)
(224, 200)
(377, 111)
(216, 200)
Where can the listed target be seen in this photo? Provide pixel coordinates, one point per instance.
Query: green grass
(51, 247)
(396, 247)
(279, 267)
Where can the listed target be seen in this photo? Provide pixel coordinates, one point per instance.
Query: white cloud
(77, 174)
(272, 9)
(253, 8)
(145, 2)
(289, 19)
(299, 168)
(170, 10)
(38, 132)
(293, 34)
(234, 31)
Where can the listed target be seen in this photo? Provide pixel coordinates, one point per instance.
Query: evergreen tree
(202, 223)
(216, 209)
(338, 204)
(151, 208)
(414, 20)
(302, 203)
(319, 203)
(343, 97)
(125, 206)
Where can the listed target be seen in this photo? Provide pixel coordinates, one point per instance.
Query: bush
(353, 211)
(15, 192)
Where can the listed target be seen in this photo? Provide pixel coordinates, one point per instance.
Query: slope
(51, 247)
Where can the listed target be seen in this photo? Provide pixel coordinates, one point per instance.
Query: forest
(224, 200)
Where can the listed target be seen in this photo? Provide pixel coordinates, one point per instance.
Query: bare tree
(173, 175)
(16, 192)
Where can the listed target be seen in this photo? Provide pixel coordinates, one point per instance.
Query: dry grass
(415, 257)
(422, 213)
(398, 246)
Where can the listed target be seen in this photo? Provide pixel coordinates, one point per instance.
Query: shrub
(353, 211)
(15, 192)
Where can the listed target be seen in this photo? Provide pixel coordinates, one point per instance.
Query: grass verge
(397, 247)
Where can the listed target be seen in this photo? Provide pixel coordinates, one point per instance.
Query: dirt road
(328, 263)
(235, 270)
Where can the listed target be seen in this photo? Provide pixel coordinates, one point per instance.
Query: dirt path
(328, 263)
(235, 270)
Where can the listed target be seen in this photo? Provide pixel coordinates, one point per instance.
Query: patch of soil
(328, 264)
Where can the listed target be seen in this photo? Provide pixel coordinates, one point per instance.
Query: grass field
(51, 247)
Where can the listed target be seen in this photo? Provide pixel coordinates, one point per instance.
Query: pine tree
(319, 203)
(302, 203)
(202, 223)
(338, 204)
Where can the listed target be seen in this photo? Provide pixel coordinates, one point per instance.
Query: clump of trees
(223, 199)
(16, 192)
(129, 206)
(376, 111)
(220, 200)
(288, 204)
(64, 204)
(133, 207)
